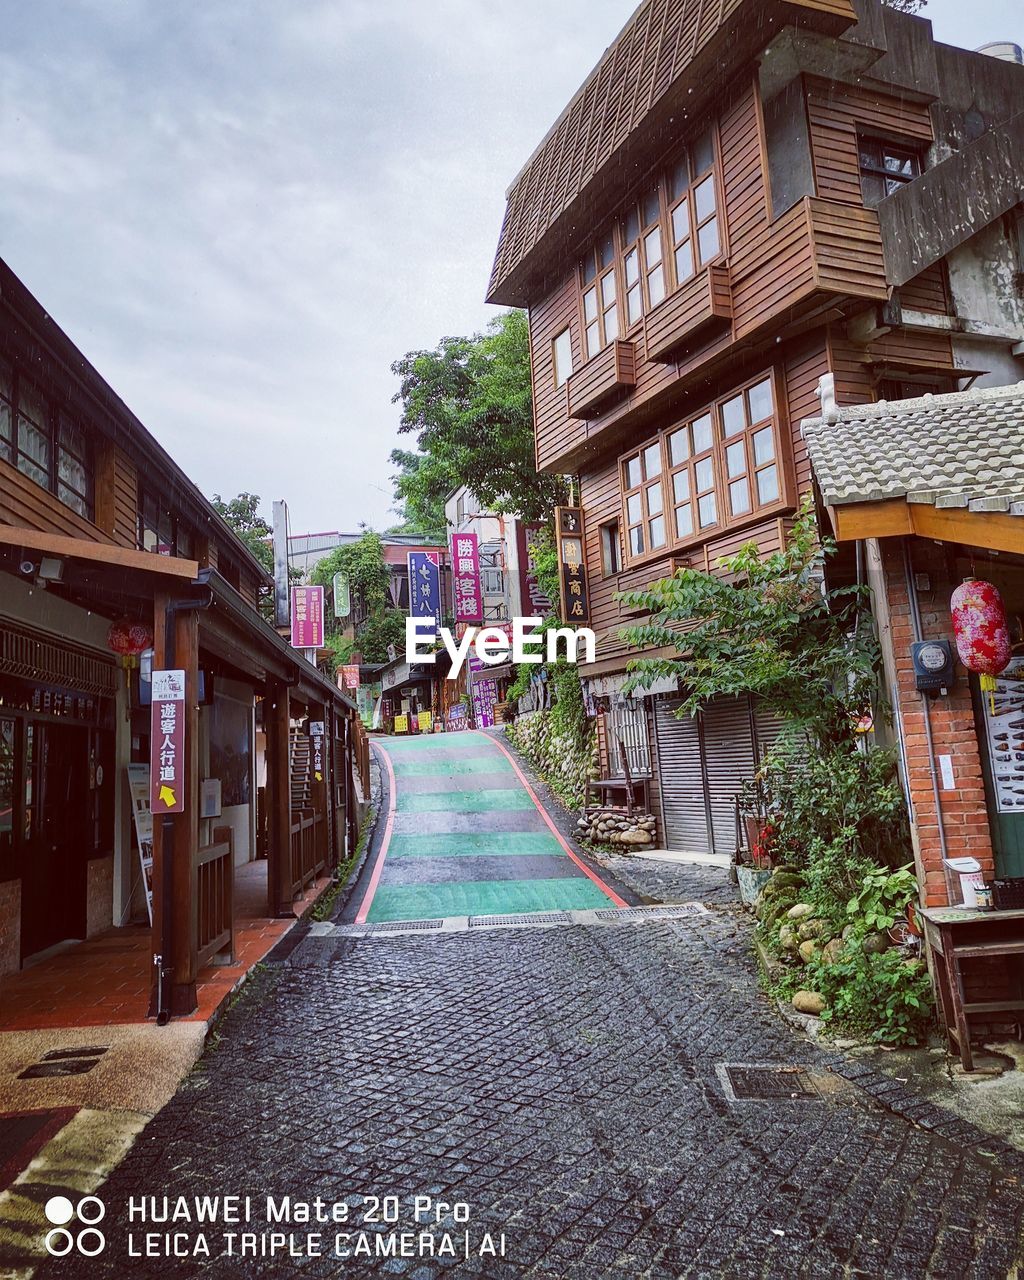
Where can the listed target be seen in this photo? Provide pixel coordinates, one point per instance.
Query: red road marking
(378, 866)
(592, 875)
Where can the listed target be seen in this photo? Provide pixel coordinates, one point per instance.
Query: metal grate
(747, 1083)
(547, 917)
(390, 926)
(31, 656)
(647, 913)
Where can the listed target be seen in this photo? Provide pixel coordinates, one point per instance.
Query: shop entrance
(58, 818)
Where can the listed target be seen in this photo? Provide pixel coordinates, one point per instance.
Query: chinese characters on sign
(307, 617)
(316, 738)
(350, 676)
(571, 567)
(342, 595)
(469, 601)
(485, 695)
(424, 586)
(167, 743)
(535, 602)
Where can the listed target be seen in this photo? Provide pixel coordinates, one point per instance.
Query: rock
(848, 932)
(808, 950)
(812, 1002)
(788, 938)
(832, 951)
(636, 837)
(801, 911)
(787, 868)
(784, 878)
(875, 943)
(813, 929)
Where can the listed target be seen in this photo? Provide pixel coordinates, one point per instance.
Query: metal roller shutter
(729, 755)
(681, 779)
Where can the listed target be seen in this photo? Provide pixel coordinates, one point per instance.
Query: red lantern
(981, 629)
(129, 639)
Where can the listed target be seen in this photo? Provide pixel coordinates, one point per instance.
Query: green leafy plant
(883, 897)
(887, 997)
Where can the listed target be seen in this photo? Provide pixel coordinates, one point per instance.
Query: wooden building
(740, 199)
(99, 526)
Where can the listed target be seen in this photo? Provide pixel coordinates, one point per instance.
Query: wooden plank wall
(29, 506)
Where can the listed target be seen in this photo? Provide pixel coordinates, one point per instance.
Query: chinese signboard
(535, 602)
(349, 677)
(342, 596)
(476, 663)
(316, 740)
(167, 743)
(401, 724)
(424, 585)
(485, 695)
(469, 600)
(572, 571)
(307, 617)
(424, 721)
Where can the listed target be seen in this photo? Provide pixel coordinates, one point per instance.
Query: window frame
(610, 533)
(876, 169)
(716, 452)
(641, 491)
(178, 529)
(560, 377)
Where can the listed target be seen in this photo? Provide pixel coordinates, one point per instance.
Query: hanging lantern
(981, 630)
(129, 639)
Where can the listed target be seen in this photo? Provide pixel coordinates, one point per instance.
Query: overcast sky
(243, 211)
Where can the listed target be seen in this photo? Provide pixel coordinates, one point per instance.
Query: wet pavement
(579, 1088)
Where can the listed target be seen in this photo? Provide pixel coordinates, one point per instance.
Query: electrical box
(934, 667)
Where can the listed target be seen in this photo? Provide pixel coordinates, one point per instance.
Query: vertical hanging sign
(342, 596)
(535, 602)
(307, 617)
(424, 586)
(572, 570)
(167, 743)
(469, 600)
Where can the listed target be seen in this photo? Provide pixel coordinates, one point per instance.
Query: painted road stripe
(483, 898)
(462, 801)
(508, 843)
(485, 763)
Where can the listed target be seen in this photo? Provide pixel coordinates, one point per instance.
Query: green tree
(469, 405)
(242, 515)
(370, 588)
(420, 502)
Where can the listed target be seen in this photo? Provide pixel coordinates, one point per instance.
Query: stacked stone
(603, 825)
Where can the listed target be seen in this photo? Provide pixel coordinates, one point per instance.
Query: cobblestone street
(566, 1081)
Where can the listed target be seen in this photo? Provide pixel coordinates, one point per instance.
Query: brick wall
(964, 814)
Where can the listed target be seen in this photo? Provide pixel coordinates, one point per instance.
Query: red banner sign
(167, 743)
(307, 617)
(469, 600)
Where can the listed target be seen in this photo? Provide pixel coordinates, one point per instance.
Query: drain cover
(647, 913)
(746, 1083)
(537, 917)
(391, 925)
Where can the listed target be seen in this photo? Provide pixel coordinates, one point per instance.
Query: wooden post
(276, 723)
(183, 942)
(318, 790)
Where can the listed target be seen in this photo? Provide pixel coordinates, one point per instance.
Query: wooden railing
(361, 756)
(215, 895)
(308, 854)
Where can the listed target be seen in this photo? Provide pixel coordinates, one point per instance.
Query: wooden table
(956, 934)
(635, 791)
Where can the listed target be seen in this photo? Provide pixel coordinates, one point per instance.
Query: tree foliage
(243, 516)
(370, 587)
(469, 405)
(765, 627)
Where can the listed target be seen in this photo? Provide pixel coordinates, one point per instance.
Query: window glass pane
(736, 459)
(873, 188)
(6, 435)
(636, 540)
(760, 401)
(611, 324)
(680, 179)
(633, 508)
(593, 338)
(590, 305)
(652, 461)
(870, 154)
(33, 451)
(633, 473)
(702, 433)
(681, 222)
(71, 498)
(703, 154)
(654, 499)
(684, 262)
(656, 285)
(681, 485)
(768, 485)
(679, 445)
(606, 251)
(899, 164)
(651, 207)
(652, 247)
(563, 357)
(71, 472)
(704, 198)
(608, 289)
(630, 227)
(734, 416)
(634, 305)
(632, 265)
(589, 268)
(704, 474)
(610, 548)
(764, 446)
(892, 184)
(658, 531)
(708, 244)
(706, 510)
(739, 497)
(684, 521)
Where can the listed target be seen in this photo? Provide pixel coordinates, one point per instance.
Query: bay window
(713, 470)
(47, 446)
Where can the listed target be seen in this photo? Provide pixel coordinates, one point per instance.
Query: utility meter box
(934, 668)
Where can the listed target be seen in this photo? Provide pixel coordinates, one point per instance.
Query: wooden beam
(276, 725)
(80, 549)
(996, 530)
(862, 520)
